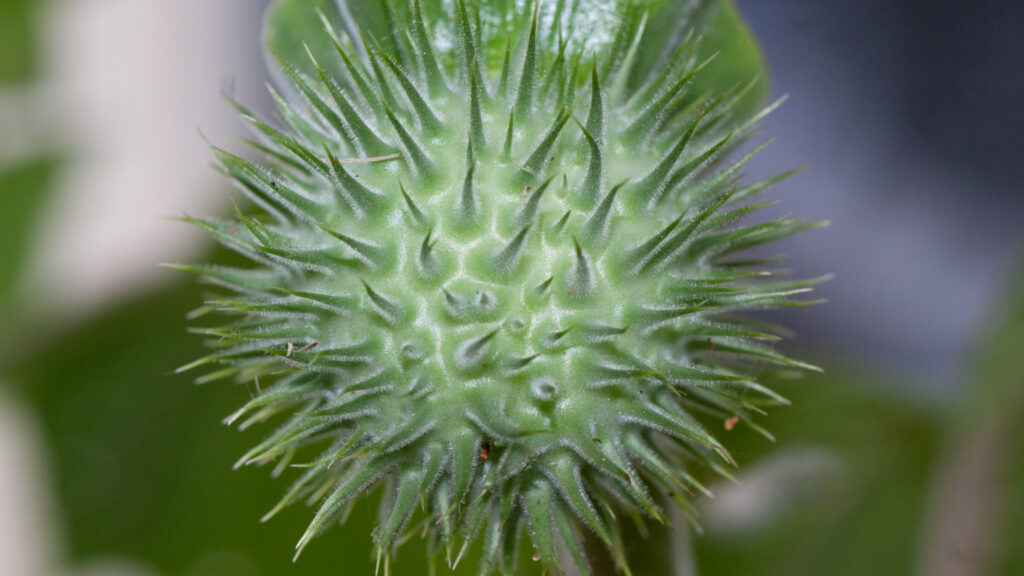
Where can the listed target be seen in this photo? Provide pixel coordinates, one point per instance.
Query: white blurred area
(26, 548)
(124, 89)
(128, 85)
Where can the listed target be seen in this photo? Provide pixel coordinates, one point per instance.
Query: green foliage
(17, 41)
(1009, 558)
(865, 512)
(998, 399)
(136, 455)
(25, 187)
(293, 24)
(137, 459)
(493, 272)
(26, 190)
(738, 57)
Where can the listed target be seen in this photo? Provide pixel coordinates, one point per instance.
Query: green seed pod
(494, 272)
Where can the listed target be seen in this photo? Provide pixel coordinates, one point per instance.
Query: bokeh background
(903, 458)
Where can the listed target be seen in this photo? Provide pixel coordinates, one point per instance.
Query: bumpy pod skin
(505, 289)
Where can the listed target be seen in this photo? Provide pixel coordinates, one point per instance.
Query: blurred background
(902, 459)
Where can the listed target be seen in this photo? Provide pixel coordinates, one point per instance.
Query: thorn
(470, 353)
(667, 250)
(561, 223)
(388, 310)
(539, 159)
(683, 172)
(427, 262)
(597, 226)
(477, 137)
(435, 78)
(646, 249)
(359, 198)
(646, 121)
(524, 99)
(520, 363)
(544, 286)
(581, 276)
(371, 255)
(385, 91)
(451, 299)
(366, 138)
(417, 215)
(468, 208)
(470, 55)
(361, 83)
(528, 211)
(507, 258)
(419, 160)
(300, 81)
(555, 70)
(653, 185)
(591, 186)
(506, 153)
(430, 121)
(506, 69)
(556, 336)
(595, 119)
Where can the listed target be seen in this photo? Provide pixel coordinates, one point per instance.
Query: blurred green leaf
(739, 60)
(142, 463)
(998, 402)
(1000, 373)
(25, 191)
(292, 23)
(867, 517)
(17, 41)
(1009, 559)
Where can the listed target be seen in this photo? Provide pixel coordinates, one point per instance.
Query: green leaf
(140, 457)
(990, 437)
(739, 61)
(25, 194)
(864, 512)
(17, 42)
(290, 23)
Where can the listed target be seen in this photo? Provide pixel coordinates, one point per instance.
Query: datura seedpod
(498, 271)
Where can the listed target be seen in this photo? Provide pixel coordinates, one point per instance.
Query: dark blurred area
(910, 115)
(901, 459)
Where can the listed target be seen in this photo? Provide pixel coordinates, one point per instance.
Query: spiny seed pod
(505, 288)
